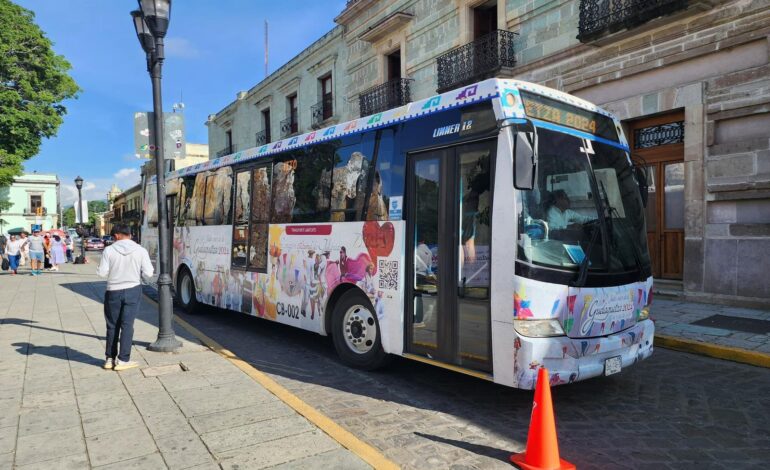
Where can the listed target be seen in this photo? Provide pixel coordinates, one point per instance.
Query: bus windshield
(585, 202)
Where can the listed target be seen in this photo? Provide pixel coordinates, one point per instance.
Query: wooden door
(659, 143)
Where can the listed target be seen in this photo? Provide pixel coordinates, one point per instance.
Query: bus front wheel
(185, 291)
(356, 332)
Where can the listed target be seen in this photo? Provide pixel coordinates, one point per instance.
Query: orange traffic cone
(542, 447)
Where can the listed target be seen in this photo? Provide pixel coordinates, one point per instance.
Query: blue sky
(213, 50)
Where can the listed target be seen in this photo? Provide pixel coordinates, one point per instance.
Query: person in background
(47, 248)
(56, 253)
(36, 251)
(24, 249)
(3, 242)
(123, 263)
(559, 214)
(70, 247)
(13, 250)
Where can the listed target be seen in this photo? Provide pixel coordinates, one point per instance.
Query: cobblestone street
(675, 410)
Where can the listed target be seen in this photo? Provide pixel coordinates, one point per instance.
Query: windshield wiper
(583, 272)
(613, 212)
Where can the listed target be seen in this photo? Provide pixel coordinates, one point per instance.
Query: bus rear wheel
(356, 332)
(185, 291)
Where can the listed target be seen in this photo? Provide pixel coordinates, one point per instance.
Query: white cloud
(181, 48)
(127, 173)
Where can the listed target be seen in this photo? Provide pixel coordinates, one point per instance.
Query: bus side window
(299, 185)
(198, 199)
(241, 218)
(260, 217)
(388, 178)
(185, 202)
(217, 200)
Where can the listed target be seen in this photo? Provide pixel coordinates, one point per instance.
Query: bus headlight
(644, 314)
(538, 328)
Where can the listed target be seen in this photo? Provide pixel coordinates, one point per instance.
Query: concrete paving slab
(183, 451)
(183, 381)
(271, 453)
(92, 402)
(228, 439)
(69, 462)
(154, 403)
(103, 383)
(120, 445)
(58, 398)
(36, 421)
(167, 424)
(336, 459)
(240, 416)
(200, 401)
(49, 445)
(145, 462)
(111, 420)
(8, 439)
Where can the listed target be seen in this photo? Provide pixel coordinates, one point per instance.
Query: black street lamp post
(151, 22)
(79, 213)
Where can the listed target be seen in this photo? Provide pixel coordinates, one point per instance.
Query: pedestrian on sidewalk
(24, 249)
(36, 251)
(70, 247)
(13, 250)
(47, 249)
(124, 263)
(57, 252)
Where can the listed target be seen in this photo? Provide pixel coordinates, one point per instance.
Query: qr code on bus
(388, 274)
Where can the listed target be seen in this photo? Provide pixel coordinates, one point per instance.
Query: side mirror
(640, 174)
(524, 155)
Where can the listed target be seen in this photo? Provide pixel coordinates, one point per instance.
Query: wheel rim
(360, 329)
(186, 289)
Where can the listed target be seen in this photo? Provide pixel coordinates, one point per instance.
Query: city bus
(492, 230)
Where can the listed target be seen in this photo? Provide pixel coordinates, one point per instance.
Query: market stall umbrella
(56, 231)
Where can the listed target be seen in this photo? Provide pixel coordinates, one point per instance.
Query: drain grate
(746, 325)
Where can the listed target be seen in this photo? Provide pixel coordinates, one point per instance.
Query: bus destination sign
(546, 109)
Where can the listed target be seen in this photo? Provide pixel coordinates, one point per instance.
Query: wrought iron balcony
(389, 95)
(322, 111)
(602, 17)
(478, 60)
(262, 137)
(289, 126)
(226, 151)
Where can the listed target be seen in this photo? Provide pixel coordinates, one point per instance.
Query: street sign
(173, 138)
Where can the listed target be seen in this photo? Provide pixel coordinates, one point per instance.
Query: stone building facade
(34, 200)
(689, 78)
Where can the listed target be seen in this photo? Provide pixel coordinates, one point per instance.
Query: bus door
(449, 199)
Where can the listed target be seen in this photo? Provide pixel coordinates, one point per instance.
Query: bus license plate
(612, 365)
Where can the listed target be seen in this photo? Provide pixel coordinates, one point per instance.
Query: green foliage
(94, 207)
(68, 217)
(33, 83)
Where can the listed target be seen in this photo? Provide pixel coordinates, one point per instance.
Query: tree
(94, 207)
(34, 81)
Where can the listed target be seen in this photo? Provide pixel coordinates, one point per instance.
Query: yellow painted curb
(366, 452)
(714, 350)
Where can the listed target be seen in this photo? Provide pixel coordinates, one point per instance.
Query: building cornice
(289, 86)
(388, 25)
(353, 9)
(322, 64)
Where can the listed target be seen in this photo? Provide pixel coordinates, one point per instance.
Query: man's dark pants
(120, 309)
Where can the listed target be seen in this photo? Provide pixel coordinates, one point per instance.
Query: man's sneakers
(109, 363)
(123, 365)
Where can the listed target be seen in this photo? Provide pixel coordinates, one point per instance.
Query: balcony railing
(389, 95)
(34, 211)
(289, 126)
(262, 138)
(477, 60)
(601, 17)
(322, 111)
(226, 151)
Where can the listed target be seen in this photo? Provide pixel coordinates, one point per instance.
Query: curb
(345, 438)
(714, 350)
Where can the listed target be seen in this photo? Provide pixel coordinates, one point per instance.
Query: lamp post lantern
(79, 214)
(151, 23)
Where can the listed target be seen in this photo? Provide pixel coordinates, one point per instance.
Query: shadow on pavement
(64, 353)
(478, 449)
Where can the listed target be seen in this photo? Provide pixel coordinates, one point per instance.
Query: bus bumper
(572, 359)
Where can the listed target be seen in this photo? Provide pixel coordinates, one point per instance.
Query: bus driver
(560, 215)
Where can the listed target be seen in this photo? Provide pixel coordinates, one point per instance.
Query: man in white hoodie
(123, 264)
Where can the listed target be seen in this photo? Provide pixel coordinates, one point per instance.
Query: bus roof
(493, 88)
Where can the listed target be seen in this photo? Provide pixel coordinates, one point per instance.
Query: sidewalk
(195, 409)
(739, 334)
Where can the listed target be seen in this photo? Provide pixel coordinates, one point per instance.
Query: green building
(35, 201)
